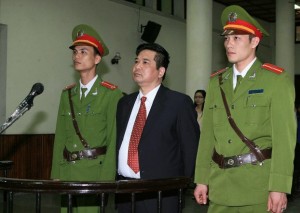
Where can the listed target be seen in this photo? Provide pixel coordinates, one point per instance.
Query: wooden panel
(31, 154)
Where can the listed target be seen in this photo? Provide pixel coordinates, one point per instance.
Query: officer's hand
(277, 202)
(200, 193)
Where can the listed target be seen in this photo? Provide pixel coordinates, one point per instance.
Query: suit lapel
(126, 112)
(156, 108)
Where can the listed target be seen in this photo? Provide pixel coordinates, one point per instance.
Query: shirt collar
(88, 85)
(150, 95)
(243, 73)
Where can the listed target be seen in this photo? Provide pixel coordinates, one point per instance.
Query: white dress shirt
(88, 86)
(123, 168)
(242, 73)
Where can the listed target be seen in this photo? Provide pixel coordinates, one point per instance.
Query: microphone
(36, 89)
(24, 106)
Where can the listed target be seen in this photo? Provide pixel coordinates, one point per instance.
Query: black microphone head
(37, 89)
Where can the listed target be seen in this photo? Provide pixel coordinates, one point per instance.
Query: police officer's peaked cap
(84, 34)
(236, 20)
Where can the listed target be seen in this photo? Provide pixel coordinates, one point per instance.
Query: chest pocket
(257, 108)
(219, 114)
(94, 117)
(66, 116)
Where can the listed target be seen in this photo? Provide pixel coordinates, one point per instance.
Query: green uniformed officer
(89, 154)
(234, 177)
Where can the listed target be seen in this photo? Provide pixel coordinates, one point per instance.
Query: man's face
(84, 58)
(144, 70)
(239, 48)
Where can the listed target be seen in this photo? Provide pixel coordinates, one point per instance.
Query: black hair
(96, 51)
(161, 58)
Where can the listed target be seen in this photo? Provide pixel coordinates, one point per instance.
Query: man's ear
(254, 42)
(161, 72)
(97, 59)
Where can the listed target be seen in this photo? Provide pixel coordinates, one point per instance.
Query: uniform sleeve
(58, 141)
(207, 141)
(189, 133)
(109, 164)
(283, 123)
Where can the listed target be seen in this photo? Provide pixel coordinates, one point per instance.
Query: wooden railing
(26, 161)
(10, 186)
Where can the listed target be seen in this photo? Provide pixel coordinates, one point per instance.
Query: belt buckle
(89, 153)
(254, 160)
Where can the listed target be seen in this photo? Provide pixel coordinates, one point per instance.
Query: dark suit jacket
(170, 137)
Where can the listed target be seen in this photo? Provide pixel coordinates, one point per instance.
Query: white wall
(39, 34)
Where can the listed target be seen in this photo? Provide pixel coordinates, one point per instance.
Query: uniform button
(229, 141)
(232, 106)
(79, 113)
(75, 145)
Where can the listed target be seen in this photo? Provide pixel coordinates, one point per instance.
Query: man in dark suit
(169, 138)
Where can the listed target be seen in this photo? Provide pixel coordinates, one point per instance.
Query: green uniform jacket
(263, 109)
(97, 124)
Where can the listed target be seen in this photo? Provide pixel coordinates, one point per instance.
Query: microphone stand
(24, 106)
(15, 116)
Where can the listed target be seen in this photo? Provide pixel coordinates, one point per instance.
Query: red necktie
(133, 157)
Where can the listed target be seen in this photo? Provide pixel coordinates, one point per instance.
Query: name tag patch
(255, 91)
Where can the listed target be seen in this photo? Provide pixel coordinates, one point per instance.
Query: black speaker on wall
(151, 31)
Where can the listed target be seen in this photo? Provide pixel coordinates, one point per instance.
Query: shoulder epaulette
(70, 86)
(218, 72)
(108, 85)
(273, 68)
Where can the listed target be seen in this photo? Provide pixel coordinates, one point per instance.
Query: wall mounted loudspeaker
(151, 31)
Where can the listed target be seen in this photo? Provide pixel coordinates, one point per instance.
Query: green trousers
(259, 208)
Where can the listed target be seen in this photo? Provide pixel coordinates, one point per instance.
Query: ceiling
(263, 9)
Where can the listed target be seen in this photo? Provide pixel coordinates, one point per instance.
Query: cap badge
(80, 33)
(232, 17)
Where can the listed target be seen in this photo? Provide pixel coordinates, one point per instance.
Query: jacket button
(229, 141)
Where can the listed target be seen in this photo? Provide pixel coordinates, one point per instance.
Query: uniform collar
(88, 85)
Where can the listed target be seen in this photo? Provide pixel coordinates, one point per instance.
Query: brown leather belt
(238, 160)
(90, 153)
